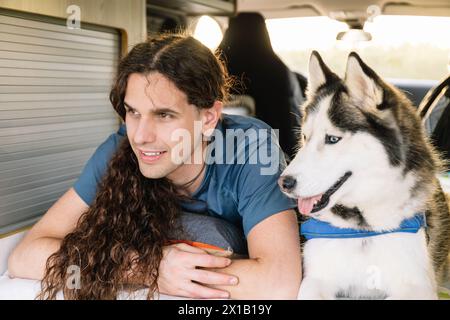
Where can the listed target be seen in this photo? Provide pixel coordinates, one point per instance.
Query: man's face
(155, 108)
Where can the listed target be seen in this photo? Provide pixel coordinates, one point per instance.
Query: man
(161, 91)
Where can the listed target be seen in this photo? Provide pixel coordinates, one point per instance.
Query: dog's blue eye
(331, 139)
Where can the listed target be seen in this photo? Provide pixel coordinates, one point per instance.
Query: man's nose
(145, 132)
(287, 183)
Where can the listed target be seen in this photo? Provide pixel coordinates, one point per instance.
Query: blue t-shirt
(240, 186)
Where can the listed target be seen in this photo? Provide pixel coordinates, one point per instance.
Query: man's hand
(180, 273)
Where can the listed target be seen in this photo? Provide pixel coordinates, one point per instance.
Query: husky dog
(366, 169)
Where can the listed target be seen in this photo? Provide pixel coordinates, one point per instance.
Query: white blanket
(24, 289)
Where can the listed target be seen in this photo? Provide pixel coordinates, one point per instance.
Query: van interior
(58, 59)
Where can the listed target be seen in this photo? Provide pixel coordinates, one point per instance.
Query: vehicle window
(208, 31)
(408, 47)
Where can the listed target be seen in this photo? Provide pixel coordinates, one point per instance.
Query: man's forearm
(30, 262)
(259, 279)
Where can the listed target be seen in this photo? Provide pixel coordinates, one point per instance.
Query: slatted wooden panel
(54, 110)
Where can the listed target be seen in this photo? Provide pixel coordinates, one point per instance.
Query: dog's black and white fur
(364, 132)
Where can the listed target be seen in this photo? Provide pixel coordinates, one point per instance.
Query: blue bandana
(313, 229)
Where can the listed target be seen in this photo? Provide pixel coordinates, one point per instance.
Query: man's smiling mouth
(150, 156)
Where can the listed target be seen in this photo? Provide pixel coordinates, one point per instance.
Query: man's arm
(273, 270)
(28, 260)
(179, 261)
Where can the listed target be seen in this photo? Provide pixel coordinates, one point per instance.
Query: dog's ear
(363, 84)
(319, 73)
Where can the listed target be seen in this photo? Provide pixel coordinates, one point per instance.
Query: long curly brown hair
(132, 217)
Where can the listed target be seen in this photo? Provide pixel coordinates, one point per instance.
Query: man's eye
(164, 115)
(331, 139)
(132, 112)
(304, 138)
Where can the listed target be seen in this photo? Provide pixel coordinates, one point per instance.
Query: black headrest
(246, 33)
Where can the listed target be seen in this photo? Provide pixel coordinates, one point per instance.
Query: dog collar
(313, 229)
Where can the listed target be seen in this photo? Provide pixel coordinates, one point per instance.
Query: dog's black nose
(288, 183)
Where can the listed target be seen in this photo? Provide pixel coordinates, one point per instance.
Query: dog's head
(361, 148)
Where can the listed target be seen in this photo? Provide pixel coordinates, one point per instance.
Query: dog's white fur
(392, 266)
(397, 265)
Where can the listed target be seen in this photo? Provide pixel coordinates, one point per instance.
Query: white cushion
(24, 289)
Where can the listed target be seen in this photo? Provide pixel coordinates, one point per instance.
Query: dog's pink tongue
(305, 205)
